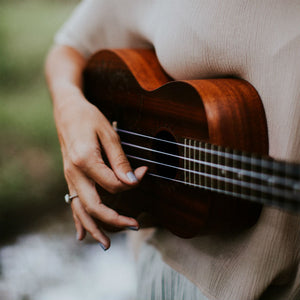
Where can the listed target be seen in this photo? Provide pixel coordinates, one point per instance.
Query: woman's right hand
(84, 133)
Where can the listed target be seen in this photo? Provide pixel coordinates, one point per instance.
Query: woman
(258, 41)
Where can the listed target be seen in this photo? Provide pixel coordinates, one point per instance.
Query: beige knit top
(258, 40)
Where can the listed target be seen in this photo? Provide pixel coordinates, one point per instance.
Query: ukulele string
(288, 204)
(210, 151)
(253, 186)
(267, 164)
(252, 174)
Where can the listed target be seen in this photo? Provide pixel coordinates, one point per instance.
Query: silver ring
(69, 198)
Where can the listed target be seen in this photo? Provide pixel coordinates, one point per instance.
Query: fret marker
(271, 181)
(240, 175)
(296, 188)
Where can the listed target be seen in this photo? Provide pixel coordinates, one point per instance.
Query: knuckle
(114, 219)
(90, 210)
(94, 232)
(114, 189)
(67, 170)
(79, 157)
(122, 164)
(112, 137)
(120, 160)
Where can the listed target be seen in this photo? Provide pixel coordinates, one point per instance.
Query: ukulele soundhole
(166, 154)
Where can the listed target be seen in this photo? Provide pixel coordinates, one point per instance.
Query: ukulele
(205, 143)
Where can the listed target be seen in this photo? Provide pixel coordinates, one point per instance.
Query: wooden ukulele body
(130, 87)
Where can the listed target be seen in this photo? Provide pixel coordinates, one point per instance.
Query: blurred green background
(31, 177)
(40, 257)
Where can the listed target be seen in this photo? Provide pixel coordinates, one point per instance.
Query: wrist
(64, 95)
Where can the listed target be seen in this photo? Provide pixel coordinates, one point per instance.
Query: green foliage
(31, 179)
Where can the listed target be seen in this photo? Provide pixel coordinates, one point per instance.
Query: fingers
(111, 144)
(108, 180)
(89, 224)
(79, 133)
(88, 159)
(89, 205)
(93, 206)
(84, 222)
(140, 172)
(80, 230)
(86, 155)
(84, 166)
(104, 176)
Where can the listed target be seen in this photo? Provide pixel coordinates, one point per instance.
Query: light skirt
(158, 281)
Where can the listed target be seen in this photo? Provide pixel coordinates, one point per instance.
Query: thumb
(118, 160)
(121, 167)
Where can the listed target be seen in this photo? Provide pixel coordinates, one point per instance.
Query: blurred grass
(31, 178)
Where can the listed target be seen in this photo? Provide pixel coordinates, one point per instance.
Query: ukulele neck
(241, 174)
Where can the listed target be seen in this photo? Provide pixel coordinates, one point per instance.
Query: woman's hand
(84, 133)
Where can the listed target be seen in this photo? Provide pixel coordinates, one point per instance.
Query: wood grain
(130, 87)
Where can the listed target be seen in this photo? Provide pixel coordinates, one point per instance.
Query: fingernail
(77, 236)
(135, 228)
(102, 246)
(131, 177)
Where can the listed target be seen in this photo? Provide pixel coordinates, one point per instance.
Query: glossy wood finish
(130, 87)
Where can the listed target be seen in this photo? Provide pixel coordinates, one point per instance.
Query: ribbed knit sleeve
(98, 24)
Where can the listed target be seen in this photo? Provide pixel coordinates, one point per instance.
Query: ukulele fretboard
(241, 174)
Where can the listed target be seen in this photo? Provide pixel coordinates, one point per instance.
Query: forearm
(64, 66)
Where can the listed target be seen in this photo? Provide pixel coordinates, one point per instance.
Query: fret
(228, 174)
(207, 169)
(214, 171)
(194, 163)
(293, 170)
(190, 162)
(201, 167)
(289, 169)
(255, 168)
(185, 161)
(286, 171)
(296, 189)
(266, 166)
(265, 176)
(244, 165)
(237, 189)
(272, 172)
(221, 172)
(198, 157)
